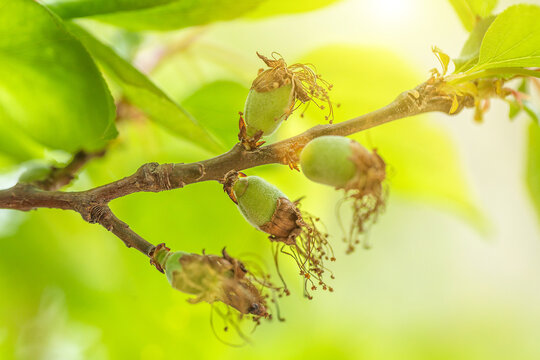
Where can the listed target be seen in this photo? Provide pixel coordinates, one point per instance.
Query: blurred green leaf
(80, 8)
(175, 14)
(471, 49)
(16, 146)
(50, 88)
(533, 165)
(423, 163)
(528, 106)
(470, 10)
(216, 105)
(531, 111)
(421, 156)
(180, 14)
(512, 40)
(515, 107)
(277, 7)
(144, 94)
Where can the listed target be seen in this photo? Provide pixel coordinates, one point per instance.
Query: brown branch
(102, 214)
(152, 177)
(26, 197)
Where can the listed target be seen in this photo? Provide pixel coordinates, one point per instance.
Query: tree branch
(60, 177)
(102, 214)
(93, 204)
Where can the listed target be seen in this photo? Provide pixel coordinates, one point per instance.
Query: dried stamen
(366, 192)
(307, 85)
(214, 278)
(297, 235)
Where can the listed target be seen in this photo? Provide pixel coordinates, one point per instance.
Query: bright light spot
(391, 11)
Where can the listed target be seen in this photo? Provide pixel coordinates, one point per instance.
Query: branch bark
(152, 177)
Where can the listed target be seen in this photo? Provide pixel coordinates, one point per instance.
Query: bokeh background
(455, 260)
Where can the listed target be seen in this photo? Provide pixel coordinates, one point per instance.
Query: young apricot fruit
(265, 110)
(345, 164)
(295, 233)
(212, 278)
(328, 160)
(274, 94)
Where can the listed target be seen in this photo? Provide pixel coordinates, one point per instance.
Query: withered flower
(275, 94)
(295, 233)
(214, 278)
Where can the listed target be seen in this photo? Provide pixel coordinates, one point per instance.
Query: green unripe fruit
(172, 264)
(211, 278)
(257, 199)
(329, 160)
(169, 262)
(345, 164)
(264, 111)
(266, 208)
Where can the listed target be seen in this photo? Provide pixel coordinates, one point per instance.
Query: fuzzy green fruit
(257, 199)
(329, 160)
(211, 278)
(264, 111)
(168, 262)
(269, 210)
(172, 264)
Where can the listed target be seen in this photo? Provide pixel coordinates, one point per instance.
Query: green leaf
(532, 111)
(80, 8)
(144, 94)
(277, 7)
(469, 11)
(216, 105)
(512, 40)
(51, 89)
(515, 107)
(471, 49)
(17, 146)
(180, 14)
(175, 14)
(533, 165)
(422, 159)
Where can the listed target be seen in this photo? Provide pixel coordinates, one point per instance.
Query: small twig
(60, 177)
(102, 214)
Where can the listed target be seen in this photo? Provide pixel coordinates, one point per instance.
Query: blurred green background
(453, 271)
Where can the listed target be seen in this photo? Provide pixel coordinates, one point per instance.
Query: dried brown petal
(296, 234)
(370, 172)
(213, 278)
(365, 190)
(307, 84)
(286, 223)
